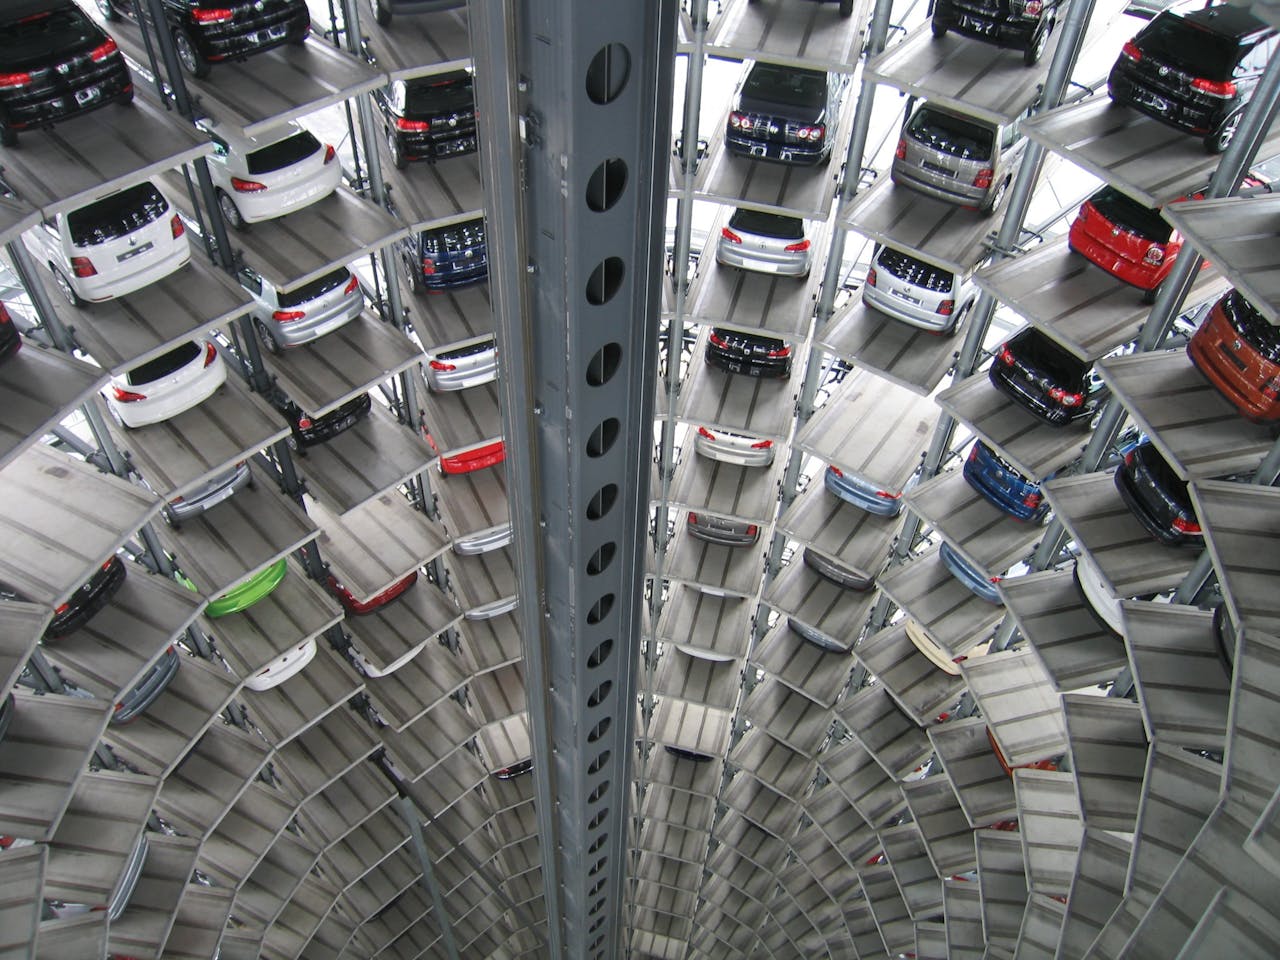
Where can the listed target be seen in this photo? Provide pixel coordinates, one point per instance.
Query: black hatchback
(748, 353)
(1195, 68)
(1157, 496)
(429, 118)
(307, 431)
(92, 595)
(55, 63)
(1046, 379)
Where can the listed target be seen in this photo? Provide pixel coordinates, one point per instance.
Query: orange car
(1238, 350)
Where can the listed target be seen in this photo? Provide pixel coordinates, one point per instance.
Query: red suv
(1239, 352)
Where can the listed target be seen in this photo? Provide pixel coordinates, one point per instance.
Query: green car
(249, 592)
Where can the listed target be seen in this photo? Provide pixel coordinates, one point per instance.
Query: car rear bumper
(1159, 527)
(282, 667)
(142, 413)
(972, 578)
(1031, 401)
(273, 202)
(298, 332)
(1242, 394)
(1167, 108)
(193, 506)
(790, 153)
(472, 544)
(148, 689)
(1140, 275)
(117, 283)
(1000, 496)
(861, 494)
(948, 190)
(88, 604)
(777, 367)
(782, 263)
(922, 315)
(739, 454)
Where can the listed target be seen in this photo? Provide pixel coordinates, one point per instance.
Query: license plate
(219, 497)
(129, 254)
(934, 168)
(1152, 101)
(87, 95)
(905, 296)
(757, 150)
(976, 26)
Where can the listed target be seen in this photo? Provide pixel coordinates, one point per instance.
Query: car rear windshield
(767, 224)
(469, 350)
(1173, 40)
(1160, 471)
(1033, 347)
(316, 288)
(432, 95)
(117, 215)
(1252, 325)
(165, 364)
(1128, 214)
(789, 85)
(283, 154)
(954, 136)
(42, 36)
(458, 236)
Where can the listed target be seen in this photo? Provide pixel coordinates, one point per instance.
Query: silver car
(838, 573)
(729, 447)
(209, 494)
(461, 365)
(957, 158)
(915, 292)
(722, 530)
(765, 243)
(290, 318)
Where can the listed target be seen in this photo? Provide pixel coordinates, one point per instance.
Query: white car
(283, 667)
(112, 246)
(483, 541)
(729, 447)
(272, 174)
(458, 366)
(290, 318)
(166, 385)
(916, 292)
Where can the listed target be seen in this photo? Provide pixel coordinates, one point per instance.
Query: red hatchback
(1131, 242)
(357, 608)
(1238, 351)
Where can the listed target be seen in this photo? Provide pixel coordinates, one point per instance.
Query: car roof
(17, 9)
(1225, 19)
(236, 138)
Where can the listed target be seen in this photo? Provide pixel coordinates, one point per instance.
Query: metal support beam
(574, 116)
(413, 819)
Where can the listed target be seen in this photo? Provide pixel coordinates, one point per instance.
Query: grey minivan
(957, 158)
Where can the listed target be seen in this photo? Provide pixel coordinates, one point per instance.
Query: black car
(787, 114)
(134, 701)
(1021, 24)
(1224, 634)
(749, 353)
(10, 341)
(439, 258)
(1157, 496)
(6, 717)
(1046, 379)
(206, 32)
(307, 431)
(429, 118)
(1195, 68)
(55, 63)
(94, 594)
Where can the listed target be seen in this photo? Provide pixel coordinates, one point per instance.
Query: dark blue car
(440, 258)
(1002, 486)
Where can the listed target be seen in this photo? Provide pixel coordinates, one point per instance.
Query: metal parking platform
(422, 683)
(805, 667)
(787, 716)
(983, 789)
(952, 616)
(856, 538)
(895, 741)
(434, 194)
(473, 503)
(803, 35)
(215, 772)
(905, 355)
(716, 625)
(735, 570)
(460, 419)
(483, 580)
(1050, 827)
(689, 726)
(405, 626)
(1241, 524)
(921, 690)
(753, 301)
(726, 489)
(304, 700)
(1022, 709)
(419, 44)
(697, 679)
(38, 388)
(816, 602)
(144, 926)
(451, 316)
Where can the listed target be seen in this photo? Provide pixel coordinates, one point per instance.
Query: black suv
(440, 258)
(749, 353)
(429, 118)
(787, 114)
(206, 32)
(1046, 379)
(1195, 69)
(55, 63)
(1021, 24)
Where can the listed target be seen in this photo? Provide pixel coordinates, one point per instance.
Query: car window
(283, 153)
(767, 224)
(220, 148)
(164, 364)
(40, 36)
(439, 95)
(955, 136)
(117, 215)
(789, 85)
(1170, 39)
(250, 280)
(314, 288)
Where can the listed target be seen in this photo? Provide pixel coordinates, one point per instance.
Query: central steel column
(574, 102)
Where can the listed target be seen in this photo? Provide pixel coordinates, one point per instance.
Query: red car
(10, 342)
(474, 458)
(355, 608)
(1238, 351)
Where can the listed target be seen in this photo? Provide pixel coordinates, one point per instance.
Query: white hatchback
(272, 174)
(167, 385)
(112, 246)
(283, 667)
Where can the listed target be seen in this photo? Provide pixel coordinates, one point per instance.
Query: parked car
(1224, 634)
(208, 494)
(271, 174)
(483, 455)
(680, 753)
(1195, 67)
(53, 909)
(765, 243)
(842, 575)
(358, 608)
(384, 10)
(784, 113)
(748, 353)
(1002, 486)
(726, 446)
(135, 701)
(249, 591)
(956, 158)
(205, 33)
(974, 579)
(724, 531)
(89, 598)
(307, 431)
(1045, 379)
(1156, 496)
(483, 541)
(10, 338)
(441, 258)
(492, 609)
(863, 493)
(112, 246)
(915, 292)
(1097, 594)
(460, 366)
(167, 385)
(290, 318)
(55, 63)
(281, 668)
(1238, 352)
(428, 118)
(819, 639)
(1020, 24)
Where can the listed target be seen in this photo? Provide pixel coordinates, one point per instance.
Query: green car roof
(248, 592)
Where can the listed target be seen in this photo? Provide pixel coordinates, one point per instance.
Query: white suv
(918, 293)
(112, 246)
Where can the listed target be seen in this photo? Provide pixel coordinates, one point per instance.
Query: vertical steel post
(413, 820)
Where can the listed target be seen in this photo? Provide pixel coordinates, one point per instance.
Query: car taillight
(304, 423)
(693, 518)
(441, 365)
(107, 565)
(946, 307)
(329, 153)
(1130, 50)
(428, 266)
(983, 179)
(1214, 88)
(1033, 8)
(61, 608)
(288, 316)
(706, 434)
(412, 126)
(176, 227)
(210, 354)
(10, 81)
(215, 15)
(973, 453)
(126, 396)
(718, 341)
(798, 247)
(103, 50)
(752, 530)
(995, 579)
(814, 133)
(83, 267)
(762, 445)
(1183, 525)
(730, 235)
(837, 471)
(1154, 255)
(1272, 388)
(1006, 355)
(888, 495)
(780, 352)
(901, 152)
(1129, 458)
(352, 285)
(1032, 500)
(246, 186)
(737, 120)
(1061, 396)
(871, 277)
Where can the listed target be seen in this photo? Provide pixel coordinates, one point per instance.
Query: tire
(230, 212)
(413, 274)
(8, 136)
(398, 159)
(268, 338)
(1031, 56)
(64, 287)
(1149, 296)
(188, 55)
(107, 10)
(996, 199)
(846, 8)
(958, 320)
(126, 99)
(1218, 140)
(938, 29)
(381, 12)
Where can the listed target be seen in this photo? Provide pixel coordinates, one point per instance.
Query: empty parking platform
(905, 355)
(922, 690)
(485, 583)
(806, 668)
(1096, 888)
(314, 759)
(1197, 430)
(305, 699)
(815, 35)
(21, 627)
(704, 622)
(488, 644)
(1251, 732)
(895, 741)
(39, 387)
(788, 716)
(474, 510)
(23, 876)
(1075, 302)
(891, 913)
(460, 419)
(428, 195)
(1108, 752)
(945, 830)
(1022, 708)
(734, 570)
(817, 605)
(420, 44)
(726, 489)
(983, 789)
(1241, 525)
(690, 726)
(697, 679)
(1002, 880)
(952, 616)
(855, 537)
(212, 776)
(1035, 448)
(1050, 827)
(451, 316)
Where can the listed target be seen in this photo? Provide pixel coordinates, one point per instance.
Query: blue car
(863, 494)
(1002, 486)
(973, 578)
(440, 258)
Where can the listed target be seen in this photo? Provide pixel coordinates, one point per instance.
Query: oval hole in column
(607, 73)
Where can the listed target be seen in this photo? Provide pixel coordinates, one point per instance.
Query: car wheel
(381, 12)
(107, 10)
(996, 198)
(1031, 56)
(188, 56)
(413, 274)
(65, 288)
(230, 212)
(267, 337)
(1218, 140)
(126, 99)
(939, 29)
(958, 320)
(1149, 296)
(8, 136)
(393, 148)
(846, 8)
